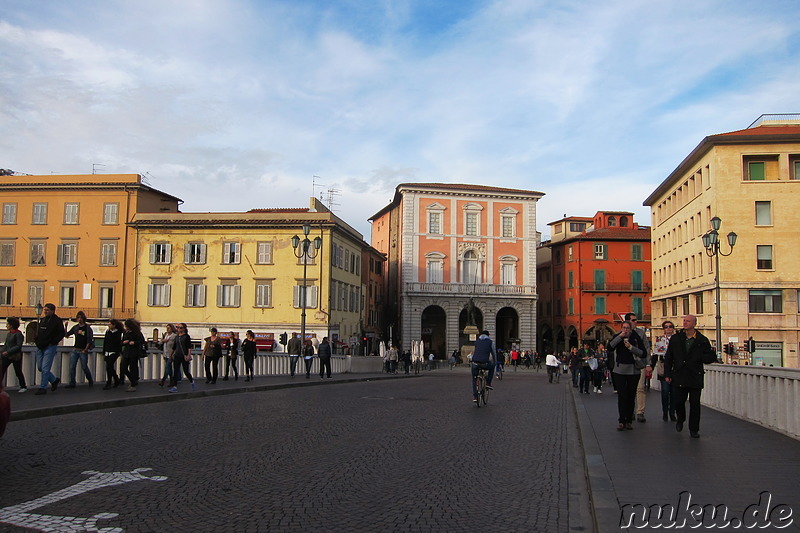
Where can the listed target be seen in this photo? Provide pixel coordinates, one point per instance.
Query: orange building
(451, 245)
(592, 272)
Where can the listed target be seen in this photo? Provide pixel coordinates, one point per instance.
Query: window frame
(759, 300)
(195, 253)
(6, 293)
(263, 286)
(229, 294)
(763, 263)
(9, 213)
(67, 295)
(264, 253)
(67, 254)
(195, 294)
(160, 253)
(72, 218)
(600, 252)
(108, 253)
(164, 295)
(39, 218)
(231, 253)
(311, 295)
(768, 205)
(8, 252)
(111, 220)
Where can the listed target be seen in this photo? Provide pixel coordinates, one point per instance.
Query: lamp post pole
(712, 247)
(305, 250)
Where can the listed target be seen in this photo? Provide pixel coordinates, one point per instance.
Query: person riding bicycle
(501, 362)
(483, 358)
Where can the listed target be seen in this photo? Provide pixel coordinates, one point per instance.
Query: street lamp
(712, 247)
(305, 250)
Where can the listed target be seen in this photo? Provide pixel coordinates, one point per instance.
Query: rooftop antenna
(314, 185)
(330, 199)
(94, 167)
(146, 176)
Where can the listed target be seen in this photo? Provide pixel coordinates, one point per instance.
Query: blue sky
(233, 104)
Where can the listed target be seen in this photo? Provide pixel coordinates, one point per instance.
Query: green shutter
(756, 170)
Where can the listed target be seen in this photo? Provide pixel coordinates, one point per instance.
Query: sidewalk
(28, 405)
(731, 463)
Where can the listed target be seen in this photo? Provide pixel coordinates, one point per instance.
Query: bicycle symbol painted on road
(20, 515)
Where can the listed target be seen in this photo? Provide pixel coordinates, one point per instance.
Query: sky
(233, 105)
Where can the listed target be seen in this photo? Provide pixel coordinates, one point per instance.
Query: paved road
(392, 455)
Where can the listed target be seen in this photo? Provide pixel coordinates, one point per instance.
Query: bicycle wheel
(480, 387)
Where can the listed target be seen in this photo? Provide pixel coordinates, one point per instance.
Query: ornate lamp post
(305, 250)
(712, 246)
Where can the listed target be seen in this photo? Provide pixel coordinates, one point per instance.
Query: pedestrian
(659, 350)
(553, 367)
(686, 354)
(324, 353)
(483, 358)
(112, 348)
(249, 354)
(49, 333)
(585, 372)
(231, 357)
(574, 363)
(626, 347)
(392, 357)
(431, 361)
(181, 357)
(599, 373)
(452, 360)
(645, 373)
(84, 342)
(133, 348)
(168, 346)
(406, 358)
(12, 352)
(308, 357)
(212, 353)
(294, 347)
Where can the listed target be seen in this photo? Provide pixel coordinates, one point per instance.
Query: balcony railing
(470, 288)
(590, 286)
(27, 312)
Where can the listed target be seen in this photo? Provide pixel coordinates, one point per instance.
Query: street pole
(713, 249)
(304, 251)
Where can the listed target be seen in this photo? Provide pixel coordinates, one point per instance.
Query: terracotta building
(590, 273)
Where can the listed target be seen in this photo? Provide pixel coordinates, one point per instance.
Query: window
(472, 224)
(108, 253)
(158, 293)
(612, 221)
(229, 294)
(794, 167)
(39, 213)
(264, 253)
(600, 251)
(623, 222)
(599, 305)
(35, 293)
(471, 268)
(508, 223)
(106, 302)
(760, 167)
(557, 228)
(231, 253)
(435, 222)
(9, 213)
(5, 293)
(194, 253)
(577, 227)
(756, 170)
(71, 213)
(434, 268)
(685, 305)
(763, 213)
(67, 254)
(195, 293)
(569, 253)
(636, 252)
(764, 257)
(7, 252)
(599, 280)
(508, 274)
(570, 279)
(637, 305)
(310, 296)
(766, 301)
(636, 280)
(110, 213)
(67, 296)
(160, 253)
(698, 303)
(347, 260)
(263, 293)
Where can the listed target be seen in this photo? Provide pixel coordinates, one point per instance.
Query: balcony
(418, 289)
(590, 286)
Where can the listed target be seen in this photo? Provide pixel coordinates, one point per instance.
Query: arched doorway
(507, 328)
(463, 320)
(434, 331)
(572, 333)
(546, 345)
(561, 344)
(599, 333)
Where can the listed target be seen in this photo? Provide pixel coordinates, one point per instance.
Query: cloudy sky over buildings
(234, 104)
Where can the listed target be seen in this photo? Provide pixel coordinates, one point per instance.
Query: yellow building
(240, 271)
(64, 239)
(750, 179)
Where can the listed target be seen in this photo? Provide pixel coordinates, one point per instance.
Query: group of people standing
(297, 348)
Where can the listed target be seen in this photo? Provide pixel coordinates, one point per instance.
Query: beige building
(750, 179)
(239, 271)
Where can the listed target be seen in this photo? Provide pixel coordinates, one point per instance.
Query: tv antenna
(95, 167)
(330, 199)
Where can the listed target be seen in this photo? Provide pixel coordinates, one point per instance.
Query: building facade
(591, 272)
(65, 239)
(750, 179)
(240, 271)
(458, 255)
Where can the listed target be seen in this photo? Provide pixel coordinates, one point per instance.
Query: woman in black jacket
(249, 353)
(133, 347)
(12, 352)
(112, 347)
(625, 348)
(181, 358)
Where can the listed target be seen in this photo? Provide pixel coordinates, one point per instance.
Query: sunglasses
(667, 327)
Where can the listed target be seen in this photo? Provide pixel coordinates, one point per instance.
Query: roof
(776, 134)
(642, 233)
(464, 189)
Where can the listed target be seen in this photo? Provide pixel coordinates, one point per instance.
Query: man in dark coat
(324, 354)
(686, 354)
(48, 334)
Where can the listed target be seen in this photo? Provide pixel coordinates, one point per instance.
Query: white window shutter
(311, 297)
(202, 254)
(60, 254)
(237, 295)
(189, 294)
(152, 254)
(220, 290)
(168, 252)
(150, 290)
(237, 253)
(202, 296)
(187, 253)
(167, 294)
(296, 296)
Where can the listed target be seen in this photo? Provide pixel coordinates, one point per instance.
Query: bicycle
(499, 372)
(480, 387)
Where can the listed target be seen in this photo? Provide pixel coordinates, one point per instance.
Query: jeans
(74, 356)
(179, 363)
(475, 368)
(44, 362)
(574, 370)
(667, 402)
(585, 378)
(308, 361)
(167, 370)
(293, 363)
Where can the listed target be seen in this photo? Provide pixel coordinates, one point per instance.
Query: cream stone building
(750, 179)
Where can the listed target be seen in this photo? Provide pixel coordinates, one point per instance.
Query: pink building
(449, 245)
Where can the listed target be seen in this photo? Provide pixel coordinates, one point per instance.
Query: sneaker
(54, 385)
(489, 387)
(599, 391)
(23, 389)
(595, 390)
(641, 418)
(131, 389)
(194, 386)
(173, 389)
(475, 400)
